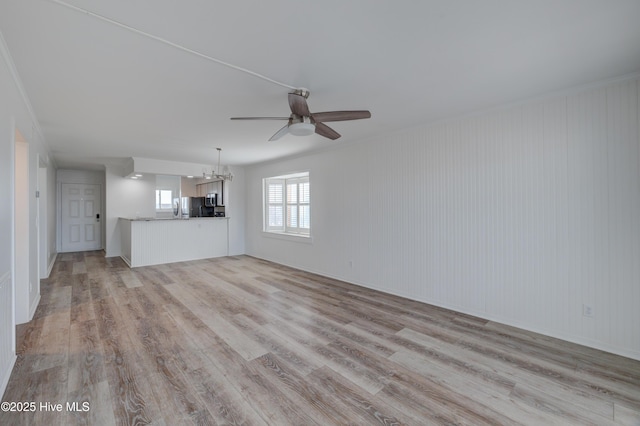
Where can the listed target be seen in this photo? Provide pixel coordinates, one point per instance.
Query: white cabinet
(210, 187)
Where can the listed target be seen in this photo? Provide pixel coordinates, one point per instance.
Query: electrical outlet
(351, 264)
(587, 311)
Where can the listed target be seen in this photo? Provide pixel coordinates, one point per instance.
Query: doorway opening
(23, 285)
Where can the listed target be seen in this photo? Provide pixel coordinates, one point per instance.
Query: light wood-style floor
(242, 341)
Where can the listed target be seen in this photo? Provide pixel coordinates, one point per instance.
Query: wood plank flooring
(239, 340)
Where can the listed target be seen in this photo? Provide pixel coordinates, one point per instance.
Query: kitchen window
(287, 207)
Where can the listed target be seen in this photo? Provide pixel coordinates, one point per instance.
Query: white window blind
(274, 195)
(287, 204)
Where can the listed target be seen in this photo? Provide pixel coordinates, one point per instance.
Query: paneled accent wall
(528, 215)
(154, 242)
(7, 350)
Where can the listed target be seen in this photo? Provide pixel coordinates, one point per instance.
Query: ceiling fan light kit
(302, 122)
(302, 129)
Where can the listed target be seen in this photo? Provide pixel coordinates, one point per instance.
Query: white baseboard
(52, 261)
(6, 375)
(126, 260)
(602, 346)
(34, 306)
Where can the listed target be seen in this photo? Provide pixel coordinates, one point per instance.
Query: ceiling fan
(303, 122)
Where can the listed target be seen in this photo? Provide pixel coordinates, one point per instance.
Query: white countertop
(149, 219)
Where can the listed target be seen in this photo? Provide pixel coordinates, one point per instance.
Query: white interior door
(80, 221)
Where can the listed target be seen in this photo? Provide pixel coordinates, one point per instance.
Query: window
(287, 206)
(163, 199)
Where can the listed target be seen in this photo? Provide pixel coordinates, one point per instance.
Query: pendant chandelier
(219, 173)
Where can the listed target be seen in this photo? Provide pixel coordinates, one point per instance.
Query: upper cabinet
(188, 187)
(205, 188)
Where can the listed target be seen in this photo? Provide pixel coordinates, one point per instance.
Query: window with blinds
(287, 206)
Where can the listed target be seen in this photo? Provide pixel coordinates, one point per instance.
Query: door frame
(12, 215)
(42, 200)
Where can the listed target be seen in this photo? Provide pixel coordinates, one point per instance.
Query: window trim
(296, 238)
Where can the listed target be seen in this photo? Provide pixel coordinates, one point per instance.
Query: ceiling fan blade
(326, 131)
(322, 117)
(280, 133)
(259, 118)
(298, 105)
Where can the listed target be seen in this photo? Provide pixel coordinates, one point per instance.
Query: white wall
(15, 112)
(10, 105)
(30, 246)
(235, 209)
(520, 215)
(164, 167)
(36, 150)
(126, 198)
(46, 220)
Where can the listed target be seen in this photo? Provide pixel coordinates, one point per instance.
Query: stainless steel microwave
(210, 200)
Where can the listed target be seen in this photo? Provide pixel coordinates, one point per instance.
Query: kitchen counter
(153, 241)
(148, 219)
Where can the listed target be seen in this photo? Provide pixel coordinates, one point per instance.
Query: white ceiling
(102, 93)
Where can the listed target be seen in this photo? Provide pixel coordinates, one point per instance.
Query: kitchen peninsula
(154, 241)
